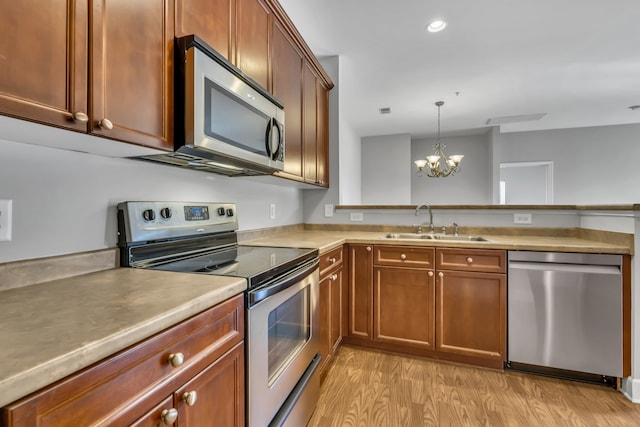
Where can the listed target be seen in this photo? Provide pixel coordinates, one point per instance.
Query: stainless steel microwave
(225, 122)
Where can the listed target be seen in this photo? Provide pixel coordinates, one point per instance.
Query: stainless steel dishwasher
(565, 313)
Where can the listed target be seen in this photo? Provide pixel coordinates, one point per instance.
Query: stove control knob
(229, 212)
(149, 215)
(165, 213)
(221, 212)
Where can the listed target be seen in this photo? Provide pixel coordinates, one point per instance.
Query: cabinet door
(132, 71)
(309, 123)
(471, 314)
(43, 61)
(322, 136)
(287, 87)
(208, 19)
(325, 320)
(160, 415)
(252, 40)
(361, 291)
(219, 394)
(404, 306)
(337, 308)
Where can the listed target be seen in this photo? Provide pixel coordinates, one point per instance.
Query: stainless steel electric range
(281, 299)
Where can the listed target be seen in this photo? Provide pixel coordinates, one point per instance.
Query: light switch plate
(328, 211)
(5, 220)
(522, 218)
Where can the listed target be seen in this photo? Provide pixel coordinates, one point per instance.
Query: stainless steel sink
(441, 237)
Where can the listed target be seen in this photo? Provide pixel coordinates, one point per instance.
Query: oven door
(282, 323)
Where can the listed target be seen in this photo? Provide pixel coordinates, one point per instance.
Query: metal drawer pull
(169, 416)
(176, 359)
(105, 124)
(190, 398)
(469, 260)
(368, 248)
(403, 256)
(332, 260)
(430, 274)
(441, 274)
(334, 276)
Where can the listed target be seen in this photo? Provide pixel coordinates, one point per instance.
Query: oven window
(289, 330)
(229, 119)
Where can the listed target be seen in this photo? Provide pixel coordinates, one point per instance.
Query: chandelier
(432, 166)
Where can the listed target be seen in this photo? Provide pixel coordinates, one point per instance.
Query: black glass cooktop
(257, 264)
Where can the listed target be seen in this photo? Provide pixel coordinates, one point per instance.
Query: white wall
(386, 178)
(64, 201)
(350, 159)
(595, 165)
(472, 186)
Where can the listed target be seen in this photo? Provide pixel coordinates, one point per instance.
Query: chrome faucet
(430, 217)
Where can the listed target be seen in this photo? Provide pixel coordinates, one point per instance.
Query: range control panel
(144, 221)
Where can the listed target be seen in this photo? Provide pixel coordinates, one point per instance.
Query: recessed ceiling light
(436, 26)
(385, 110)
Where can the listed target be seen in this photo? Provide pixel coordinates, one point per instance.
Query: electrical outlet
(272, 211)
(522, 218)
(5, 220)
(328, 210)
(357, 216)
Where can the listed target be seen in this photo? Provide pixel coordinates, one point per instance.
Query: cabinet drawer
(329, 260)
(112, 389)
(407, 256)
(482, 260)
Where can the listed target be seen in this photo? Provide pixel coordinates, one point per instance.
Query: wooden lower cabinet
(332, 306)
(399, 302)
(145, 385)
(471, 314)
(404, 306)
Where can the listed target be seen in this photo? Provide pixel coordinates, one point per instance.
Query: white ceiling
(576, 60)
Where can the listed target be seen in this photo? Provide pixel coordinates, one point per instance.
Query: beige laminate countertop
(327, 240)
(53, 329)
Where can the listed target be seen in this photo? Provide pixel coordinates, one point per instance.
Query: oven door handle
(281, 283)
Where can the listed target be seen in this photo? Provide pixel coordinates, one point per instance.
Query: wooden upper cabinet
(132, 71)
(322, 135)
(211, 20)
(253, 26)
(287, 87)
(309, 123)
(43, 61)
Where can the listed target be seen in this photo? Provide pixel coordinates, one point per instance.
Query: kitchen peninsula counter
(53, 329)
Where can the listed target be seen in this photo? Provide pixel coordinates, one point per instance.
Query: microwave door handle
(273, 152)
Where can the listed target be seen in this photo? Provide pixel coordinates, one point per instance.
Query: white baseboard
(630, 388)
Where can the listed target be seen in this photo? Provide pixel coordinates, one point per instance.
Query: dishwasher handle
(569, 268)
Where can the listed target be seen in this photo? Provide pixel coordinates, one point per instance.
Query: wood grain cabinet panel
(361, 291)
(471, 314)
(322, 135)
(43, 61)
(332, 304)
(128, 386)
(287, 87)
(404, 256)
(132, 78)
(404, 306)
(211, 20)
(482, 260)
(309, 124)
(253, 29)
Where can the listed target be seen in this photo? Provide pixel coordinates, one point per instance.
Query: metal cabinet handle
(105, 124)
(334, 276)
(441, 274)
(430, 274)
(403, 256)
(190, 398)
(80, 117)
(332, 260)
(469, 260)
(169, 416)
(368, 248)
(176, 359)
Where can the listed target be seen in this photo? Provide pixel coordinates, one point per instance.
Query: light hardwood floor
(369, 389)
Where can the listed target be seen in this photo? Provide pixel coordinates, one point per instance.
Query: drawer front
(482, 260)
(330, 260)
(111, 389)
(404, 256)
